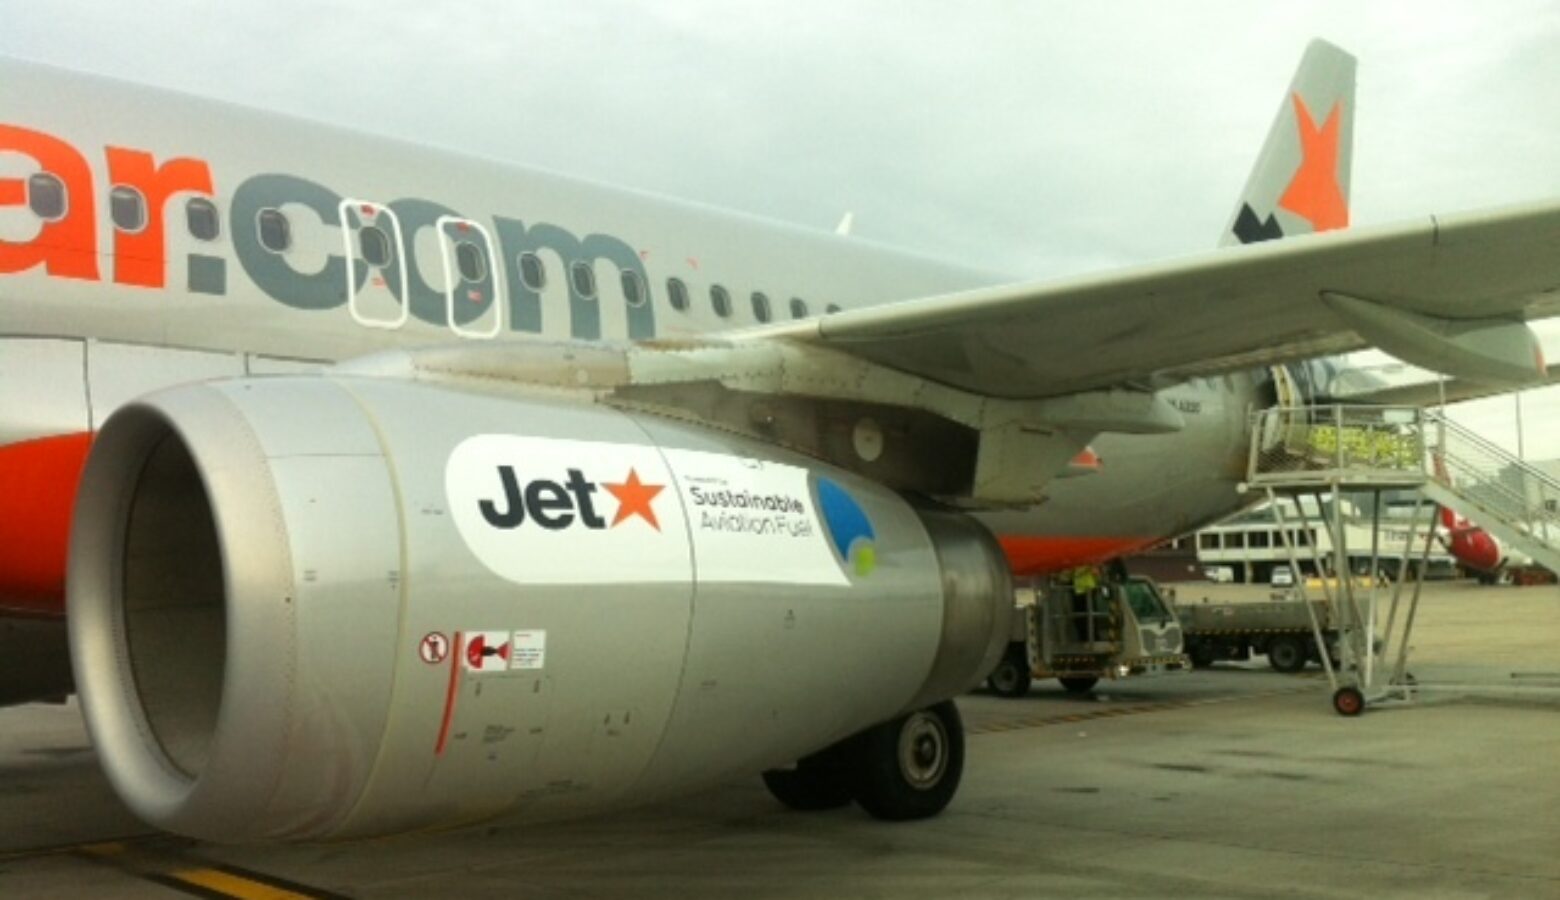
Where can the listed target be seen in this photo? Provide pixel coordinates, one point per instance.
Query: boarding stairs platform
(1327, 451)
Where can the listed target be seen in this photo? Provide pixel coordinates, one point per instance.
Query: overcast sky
(1026, 137)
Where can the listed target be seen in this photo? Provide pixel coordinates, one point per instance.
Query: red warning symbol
(488, 651)
(433, 648)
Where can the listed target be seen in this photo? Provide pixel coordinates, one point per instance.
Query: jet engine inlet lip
(179, 763)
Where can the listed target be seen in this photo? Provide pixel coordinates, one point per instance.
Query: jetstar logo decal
(634, 499)
(537, 510)
(555, 505)
(1313, 193)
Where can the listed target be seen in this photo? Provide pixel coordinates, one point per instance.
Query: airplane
(1478, 550)
(388, 488)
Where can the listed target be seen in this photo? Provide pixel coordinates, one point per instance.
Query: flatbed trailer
(1279, 629)
(1125, 629)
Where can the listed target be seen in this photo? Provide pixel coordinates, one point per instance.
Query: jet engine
(319, 607)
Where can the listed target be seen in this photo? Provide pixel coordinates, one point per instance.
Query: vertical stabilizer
(1300, 183)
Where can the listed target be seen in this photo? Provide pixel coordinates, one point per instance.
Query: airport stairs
(1482, 482)
(1362, 448)
(1333, 450)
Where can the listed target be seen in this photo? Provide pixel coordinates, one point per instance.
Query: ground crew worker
(1085, 581)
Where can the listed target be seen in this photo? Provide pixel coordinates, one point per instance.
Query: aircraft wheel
(1011, 677)
(1348, 701)
(1286, 653)
(909, 768)
(1079, 684)
(820, 781)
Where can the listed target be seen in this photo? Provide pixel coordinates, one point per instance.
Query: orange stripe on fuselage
(38, 481)
(1053, 553)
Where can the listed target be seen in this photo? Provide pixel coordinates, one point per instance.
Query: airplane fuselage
(146, 242)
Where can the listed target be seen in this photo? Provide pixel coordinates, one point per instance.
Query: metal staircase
(1398, 448)
(1494, 489)
(1332, 450)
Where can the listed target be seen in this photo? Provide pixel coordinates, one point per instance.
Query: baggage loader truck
(1118, 630)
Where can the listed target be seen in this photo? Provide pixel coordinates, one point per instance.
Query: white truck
(1117, 631)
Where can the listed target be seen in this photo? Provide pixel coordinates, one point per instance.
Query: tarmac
(1234, 781)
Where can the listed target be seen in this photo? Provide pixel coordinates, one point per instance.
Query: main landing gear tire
(1348, 701)
(821, 781)
(1011, 677)
(1286, 653)
(909, 768)
(1079, 685)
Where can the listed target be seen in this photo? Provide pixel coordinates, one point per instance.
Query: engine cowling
(314, 607)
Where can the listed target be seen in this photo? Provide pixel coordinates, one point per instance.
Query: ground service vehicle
(1123, 629)
(1279, 628)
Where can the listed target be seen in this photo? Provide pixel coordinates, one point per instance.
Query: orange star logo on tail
(634, 498)
(1313, 194)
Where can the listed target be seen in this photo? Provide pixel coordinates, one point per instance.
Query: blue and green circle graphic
(848, 526)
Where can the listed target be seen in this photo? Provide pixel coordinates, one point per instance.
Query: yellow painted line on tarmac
(165, 860)
(231, 884)
(1113, 711)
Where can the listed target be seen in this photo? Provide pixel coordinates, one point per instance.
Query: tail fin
(1301, 180)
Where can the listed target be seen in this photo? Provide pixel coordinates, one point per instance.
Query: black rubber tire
(1348, 701)
(909, 768)
(1011, 677)
(821, 781)
(1081, 684)
(1201, 653)
(1286, 653)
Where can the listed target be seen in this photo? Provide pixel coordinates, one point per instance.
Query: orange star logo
(633, 497)
(1313, 193)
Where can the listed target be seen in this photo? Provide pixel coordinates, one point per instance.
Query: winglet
(1300, 183)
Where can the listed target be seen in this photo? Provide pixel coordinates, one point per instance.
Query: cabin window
(469, 260)
(761, 310)
(633, 288)
(375, 245)
(832, 308)
(720, 301)
(200, 215)
(127, 209)
(584, 278)
(798, 308)
(677, 294)
(275, 230)
(46, 197)
(532, 274)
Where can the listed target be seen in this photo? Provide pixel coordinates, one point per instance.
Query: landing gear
(906, 768)
(1081, 684)
(1286, 653)
(1011, 677)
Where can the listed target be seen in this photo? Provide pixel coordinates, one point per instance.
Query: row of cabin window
(47, 199)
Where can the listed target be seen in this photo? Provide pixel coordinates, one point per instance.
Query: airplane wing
(1447, 293)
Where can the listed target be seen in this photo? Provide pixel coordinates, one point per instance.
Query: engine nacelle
(313, 607)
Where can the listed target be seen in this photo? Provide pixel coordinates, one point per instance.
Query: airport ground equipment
(1280, 629)
(1126, 629)
(1326, 451)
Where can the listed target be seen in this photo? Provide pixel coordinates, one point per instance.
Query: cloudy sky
(1026, 137)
